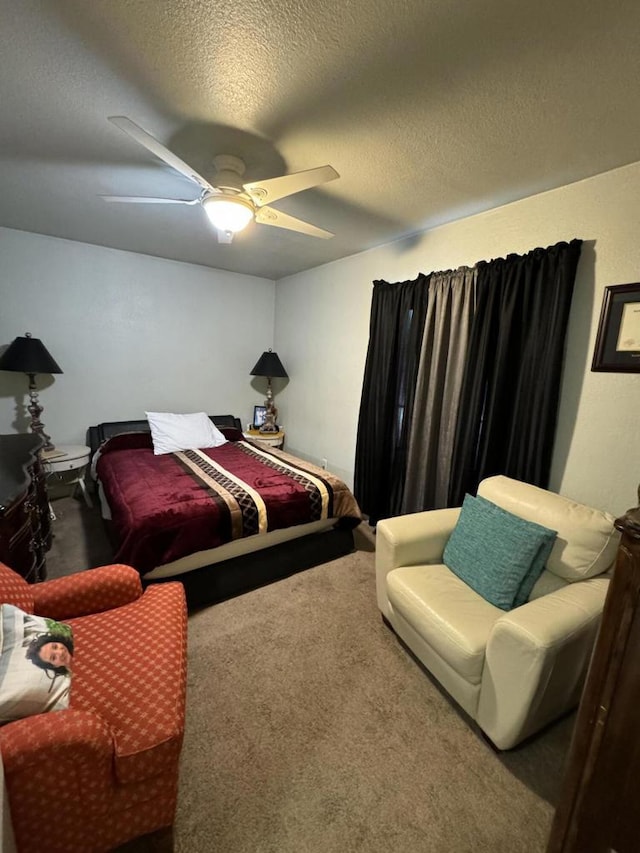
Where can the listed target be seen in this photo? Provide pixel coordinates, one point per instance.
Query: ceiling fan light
(228, 214)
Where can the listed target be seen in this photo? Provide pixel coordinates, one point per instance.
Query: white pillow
(171, 432)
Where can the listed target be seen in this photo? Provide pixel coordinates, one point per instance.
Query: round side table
(69, 457)
(267, 439)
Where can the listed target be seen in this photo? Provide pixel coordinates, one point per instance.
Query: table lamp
(29, 355)
(269, 365)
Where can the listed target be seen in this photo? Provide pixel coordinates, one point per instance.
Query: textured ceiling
(429, 109)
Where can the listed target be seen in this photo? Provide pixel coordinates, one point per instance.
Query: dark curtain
(395, 334)
(511, 385)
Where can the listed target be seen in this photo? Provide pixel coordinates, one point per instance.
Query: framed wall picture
(259, 413)
(618, 340)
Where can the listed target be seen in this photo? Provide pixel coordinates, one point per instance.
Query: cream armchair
(511, 671)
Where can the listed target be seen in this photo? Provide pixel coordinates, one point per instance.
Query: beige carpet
(311, 730)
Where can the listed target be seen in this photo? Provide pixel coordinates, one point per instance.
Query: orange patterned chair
(105, 770)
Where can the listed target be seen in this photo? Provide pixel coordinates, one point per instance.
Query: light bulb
(228, 213)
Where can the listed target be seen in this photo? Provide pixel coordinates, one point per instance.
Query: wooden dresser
(25, 527)
(599, 809)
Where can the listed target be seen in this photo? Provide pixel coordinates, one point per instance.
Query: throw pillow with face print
(36, 662)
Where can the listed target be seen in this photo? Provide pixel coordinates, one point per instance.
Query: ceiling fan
(230, 204)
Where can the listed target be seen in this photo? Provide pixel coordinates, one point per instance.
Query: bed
(222, 520)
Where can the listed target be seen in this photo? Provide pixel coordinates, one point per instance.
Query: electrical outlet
(324, 464)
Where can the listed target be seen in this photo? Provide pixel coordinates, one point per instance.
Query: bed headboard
(97, 434)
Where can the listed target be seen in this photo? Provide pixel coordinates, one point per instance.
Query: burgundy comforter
(166, 507)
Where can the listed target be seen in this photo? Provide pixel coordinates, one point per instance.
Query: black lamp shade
(269, 365)
(28, 355)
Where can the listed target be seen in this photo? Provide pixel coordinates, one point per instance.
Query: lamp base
(49, 447)
(35, 410)
(270, 424)
(271, 413)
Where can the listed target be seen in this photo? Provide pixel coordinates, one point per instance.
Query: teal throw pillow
(496, 553)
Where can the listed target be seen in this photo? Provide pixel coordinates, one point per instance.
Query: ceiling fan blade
(264, 192)
(271, 216)
(143, 199)
(151, 144)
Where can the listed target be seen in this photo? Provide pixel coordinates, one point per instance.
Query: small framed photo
(259, 414)
(618, 341)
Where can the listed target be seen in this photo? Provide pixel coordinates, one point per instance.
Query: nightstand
(267, 439)
(69, 457)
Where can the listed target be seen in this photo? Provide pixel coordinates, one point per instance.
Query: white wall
(322, 319)
(131, 333)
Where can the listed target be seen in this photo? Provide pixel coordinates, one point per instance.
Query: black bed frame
(97, 434)
(229, 578)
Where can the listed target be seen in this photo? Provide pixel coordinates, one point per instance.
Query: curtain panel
(511, 386)
(395, 334)
(449, 315)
